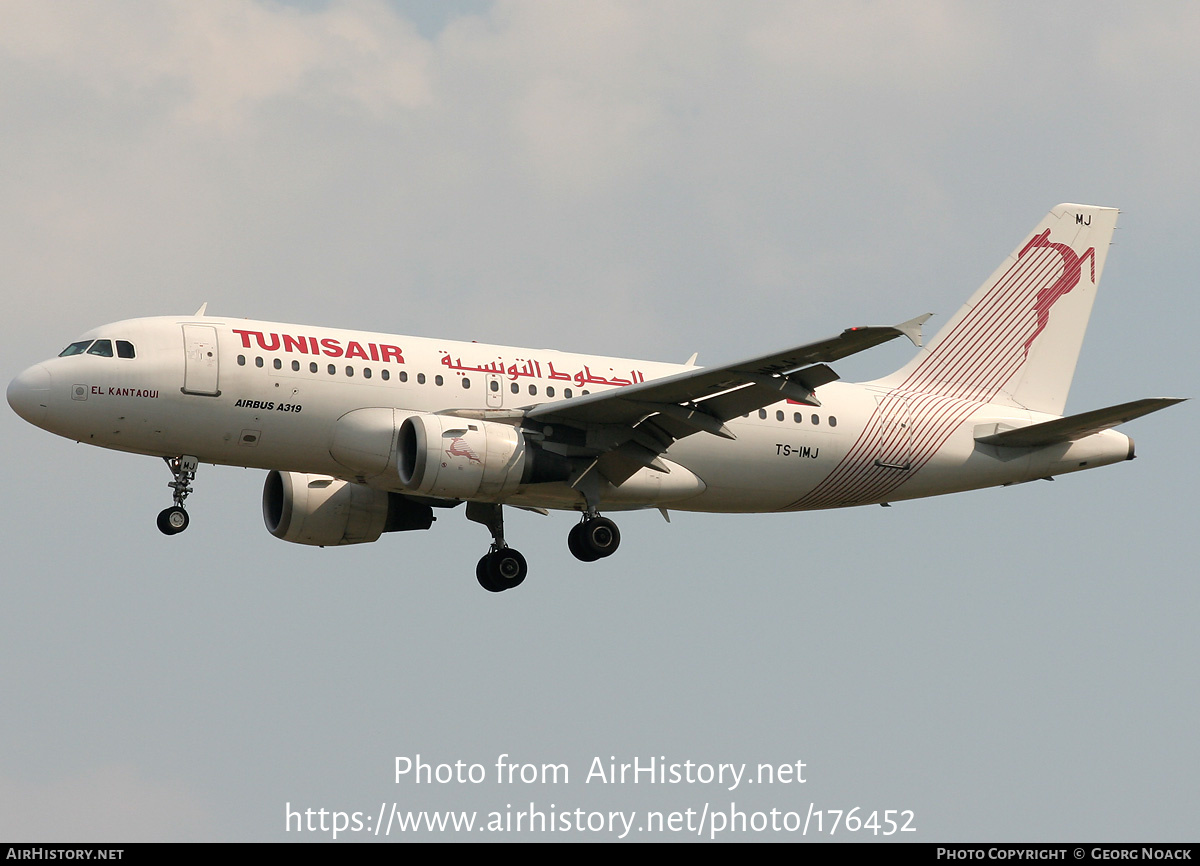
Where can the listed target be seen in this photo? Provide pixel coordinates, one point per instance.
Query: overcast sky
(625, 178)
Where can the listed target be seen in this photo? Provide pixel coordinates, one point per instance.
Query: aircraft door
(494, 386)
(200, 372)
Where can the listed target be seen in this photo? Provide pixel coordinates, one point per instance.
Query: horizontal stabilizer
(1076, 426)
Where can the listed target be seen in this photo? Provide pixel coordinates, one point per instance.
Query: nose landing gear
(174, 520)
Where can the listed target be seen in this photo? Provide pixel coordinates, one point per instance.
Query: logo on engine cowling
(459, 448)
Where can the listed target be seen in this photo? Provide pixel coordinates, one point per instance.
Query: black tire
(600, 536)
(485, 580)
(578, 545)
(173, 520)
(506, 568)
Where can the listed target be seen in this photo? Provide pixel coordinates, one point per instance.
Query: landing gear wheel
(481, 574)
(501, 569)
(578, 546)
(594, 538)
(173, 520)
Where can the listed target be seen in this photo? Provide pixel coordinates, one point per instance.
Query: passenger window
(278, 364)
(366, 372)
(75, 349)
(798, 418)
(494, 385)
(515, 388)
(295, 366)
(533, 390)
(125, 349)
(567, 393)
(762, 413)
(816, 419)
(549, 390)
(420, 378)
(779, 415)
(385, 374)
(437, 380)
(312, 366)
(103, 348)
(241, 360)
(403, 375)
(332, 370)
(258, 362)
(832, 421)
(349, 371)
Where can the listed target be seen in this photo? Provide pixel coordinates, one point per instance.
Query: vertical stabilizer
(1016, 341)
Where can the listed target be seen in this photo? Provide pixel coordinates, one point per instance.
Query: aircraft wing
(627, 428)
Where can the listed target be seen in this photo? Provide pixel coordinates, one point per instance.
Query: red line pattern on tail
(963, 371)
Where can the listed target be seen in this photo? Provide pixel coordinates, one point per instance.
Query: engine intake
(325, 511)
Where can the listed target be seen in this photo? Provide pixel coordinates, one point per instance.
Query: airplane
(363, 433)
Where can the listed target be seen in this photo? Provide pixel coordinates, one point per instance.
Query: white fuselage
(271, 396)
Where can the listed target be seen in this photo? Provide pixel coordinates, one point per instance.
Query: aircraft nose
(29, 394)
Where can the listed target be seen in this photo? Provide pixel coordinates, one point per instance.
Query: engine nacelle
(324, 511)
(456, 458)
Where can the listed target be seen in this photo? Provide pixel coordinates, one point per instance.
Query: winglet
(912, 328)
(203, 307)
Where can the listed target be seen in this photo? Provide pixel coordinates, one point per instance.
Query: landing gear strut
(501, 567)
(593, 538)
(174, 520)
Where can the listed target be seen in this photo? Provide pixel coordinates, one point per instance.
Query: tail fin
(1016, 341)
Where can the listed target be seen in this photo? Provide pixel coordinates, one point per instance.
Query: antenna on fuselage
(203, 307)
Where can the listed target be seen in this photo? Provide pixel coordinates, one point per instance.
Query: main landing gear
(501, 567)
(174, 520)
(593, 538)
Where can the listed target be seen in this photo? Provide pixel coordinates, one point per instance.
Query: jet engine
(324, 511)
(456, 458)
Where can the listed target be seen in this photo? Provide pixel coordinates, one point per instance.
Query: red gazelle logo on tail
(1072, 268)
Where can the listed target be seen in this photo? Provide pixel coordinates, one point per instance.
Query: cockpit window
(103, 348)
(75, 348)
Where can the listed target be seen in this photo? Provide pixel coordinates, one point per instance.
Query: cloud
(630, 161)
(212, 64)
